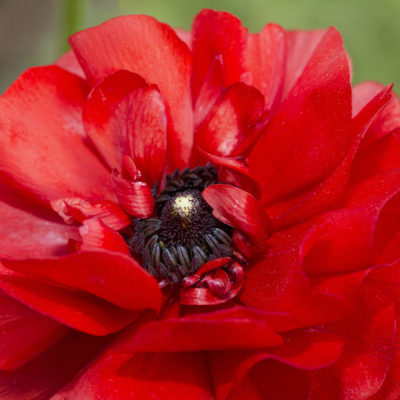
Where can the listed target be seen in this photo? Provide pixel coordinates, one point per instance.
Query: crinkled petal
(125, 116)
(134, 197)
(114, 277)
(41, 121)
(73, 209)
(143, 45)
(310, 132)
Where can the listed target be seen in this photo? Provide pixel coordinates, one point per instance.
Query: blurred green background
(34, 32)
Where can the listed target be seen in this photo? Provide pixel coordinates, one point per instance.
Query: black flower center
(184, 234)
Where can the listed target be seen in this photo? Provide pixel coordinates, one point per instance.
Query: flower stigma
(183, 234)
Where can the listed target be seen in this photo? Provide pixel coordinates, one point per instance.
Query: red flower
(271, 272)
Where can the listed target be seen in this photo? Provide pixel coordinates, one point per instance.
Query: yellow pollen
(184, 205)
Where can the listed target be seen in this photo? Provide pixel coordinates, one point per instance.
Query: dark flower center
(184, 234)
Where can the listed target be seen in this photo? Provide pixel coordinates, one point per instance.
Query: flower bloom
(203, 215)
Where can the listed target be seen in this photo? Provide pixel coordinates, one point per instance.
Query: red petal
(278, 282)
(311, 131)
(230, 121)
(210, 91)
(194, 334)
(123, 376)
(361, 370)
(387, 121)
(283, 368)
(239, 209)
(125, 116)
(217, 34)
(96, 235)
(185, 36)
(346, 236)
(31, 232)
(155, 53)
(323, 195)
(72, 308)
(69, 62)
(24, 333)
(52, 160)
(42, 377)
(134, 197)
(300, 48)
(266, 60)
(110, 276)
(76, 209)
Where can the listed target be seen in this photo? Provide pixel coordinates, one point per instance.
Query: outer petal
(114, 277)
(43, 376)
(389, 118)
(361, 370)
(311, 131)
(230, 121)
(323, 195)
(276, 373)
(300, 47)
(145, 46)
(144, 376)
(32, 232)
(217, 34)
(69, 62)
(76, 309)
(96, 235)
(24, 333)
(346, 238)
(194, 333)
(239, 209)
(266, 60)
(40, 120)
(125, 116)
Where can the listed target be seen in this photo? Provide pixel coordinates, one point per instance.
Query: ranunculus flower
(203, 215)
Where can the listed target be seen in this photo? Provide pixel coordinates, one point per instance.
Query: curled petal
(158, 42)
(231, 121)
(96, 235)
(215, 287)
(77, 209)
(126, 116)
(134, 197)
(239, 209)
